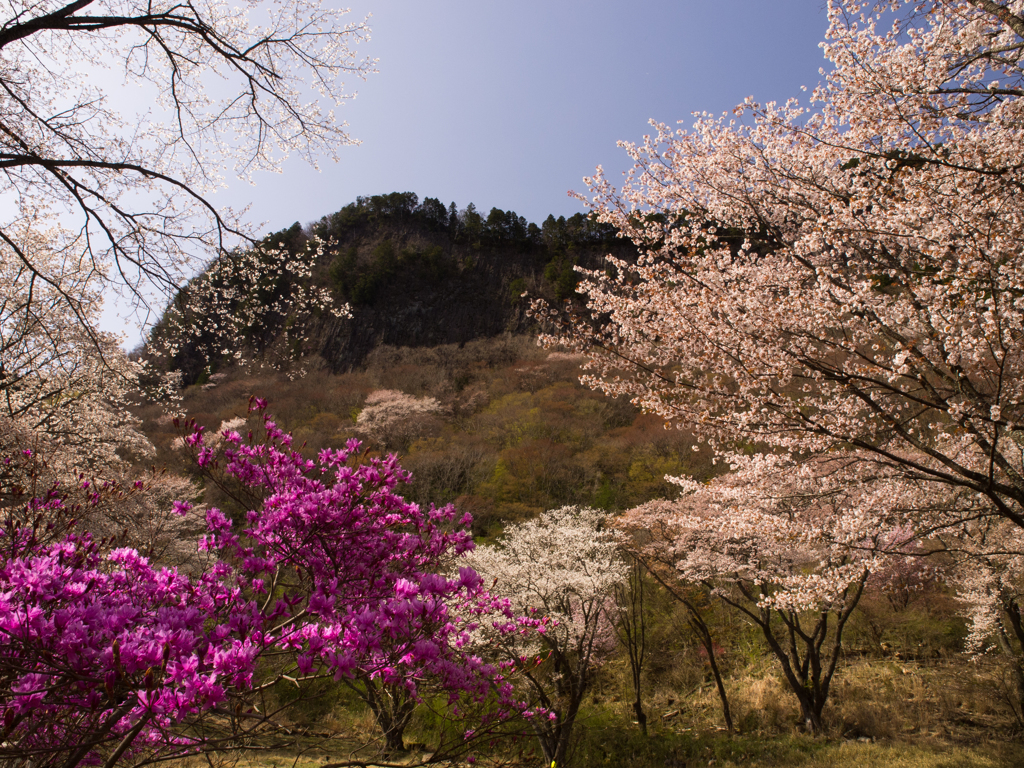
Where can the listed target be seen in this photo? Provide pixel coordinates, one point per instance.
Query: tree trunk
(1014, 653)
(811, 707)
(1014, 662)
(393, 725)
(392, 709)
(561, 756)
(703, 632)
(807, 668)
(641, 716)
(632, 631)
(555, 737)
(720, 683)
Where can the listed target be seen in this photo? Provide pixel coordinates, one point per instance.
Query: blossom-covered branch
(124, 192)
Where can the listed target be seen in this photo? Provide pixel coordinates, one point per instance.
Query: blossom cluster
(563, 568)
(840, 274)
(122, 190)
(331, 574)
(393, 419)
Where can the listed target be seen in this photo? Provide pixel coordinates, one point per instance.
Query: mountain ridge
(419, 274)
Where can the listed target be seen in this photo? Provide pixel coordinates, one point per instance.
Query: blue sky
(510, 104)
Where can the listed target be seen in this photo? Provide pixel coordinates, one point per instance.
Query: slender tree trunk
(1013, 652)
(701, 628)
(703, 632)
(641, 716)
(631, 629)
(555, 740)
(555, 736)
(393, 728)
(561, 755)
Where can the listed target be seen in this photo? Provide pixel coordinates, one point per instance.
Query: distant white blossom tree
(392, 419)
(565, 566)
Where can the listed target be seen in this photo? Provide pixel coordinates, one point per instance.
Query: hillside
(504, 430)
(499, 426)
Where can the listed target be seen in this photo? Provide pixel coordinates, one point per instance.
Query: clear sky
(510, 104)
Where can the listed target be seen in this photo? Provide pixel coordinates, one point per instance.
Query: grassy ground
(922, 718)
(939, 712)
(611, 744)
(719, 750)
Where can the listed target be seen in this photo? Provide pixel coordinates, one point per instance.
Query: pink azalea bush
(332, 574)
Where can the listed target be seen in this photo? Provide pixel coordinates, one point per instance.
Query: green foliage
(343, 272)
(362, 282)
(392, 256)
(522, 435)
(562, 276)
(435, 263)
(515, 291)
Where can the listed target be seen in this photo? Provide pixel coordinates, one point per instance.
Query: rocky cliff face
(423, 275)
(475, 294)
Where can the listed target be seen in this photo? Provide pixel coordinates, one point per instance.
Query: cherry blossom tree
(65, 389)
(988, 574)
(842, 277)
(105, 193)
(393, 419)
(252, 307)
(845, 274)
(790, 548)
(147, 519)
(564, 566)
(62, 383)
(106, 658)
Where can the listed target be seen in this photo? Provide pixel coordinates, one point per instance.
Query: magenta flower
(330, 567)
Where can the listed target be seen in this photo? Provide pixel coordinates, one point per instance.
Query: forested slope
(412, 273)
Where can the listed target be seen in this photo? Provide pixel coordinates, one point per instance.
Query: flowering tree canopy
(988, 575)
(789, 548)
(393, 419)
(564, 566)
(62, 383)
(846, 277)
(843, 275)
(104, 655)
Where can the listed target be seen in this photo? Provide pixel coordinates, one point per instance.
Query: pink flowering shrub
(332, 574)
